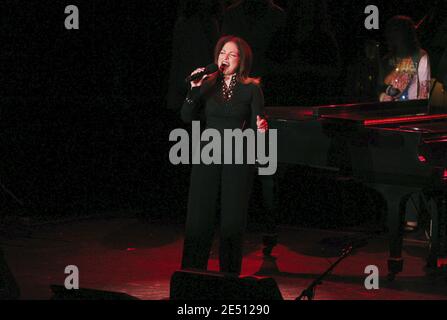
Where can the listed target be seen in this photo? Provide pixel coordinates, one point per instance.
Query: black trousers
(234, 183)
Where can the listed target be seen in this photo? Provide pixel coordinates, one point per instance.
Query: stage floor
(126, 255)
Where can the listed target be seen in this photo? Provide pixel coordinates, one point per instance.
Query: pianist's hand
(385, 98)
(261, 124)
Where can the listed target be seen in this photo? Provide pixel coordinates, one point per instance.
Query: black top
(239, 111)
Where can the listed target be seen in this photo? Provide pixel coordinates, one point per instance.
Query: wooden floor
(128, 256)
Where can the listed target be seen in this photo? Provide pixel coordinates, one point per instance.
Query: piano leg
(442, 233)
(437, 257)
(396, 198)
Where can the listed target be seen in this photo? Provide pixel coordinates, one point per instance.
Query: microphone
(211, 68)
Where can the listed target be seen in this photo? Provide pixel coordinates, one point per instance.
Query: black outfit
(223, 108)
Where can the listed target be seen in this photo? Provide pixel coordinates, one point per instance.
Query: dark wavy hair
(402, 36)
(245, 55)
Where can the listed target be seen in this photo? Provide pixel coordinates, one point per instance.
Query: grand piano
(396, 148)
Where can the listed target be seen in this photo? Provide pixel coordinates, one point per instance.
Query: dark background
(83, 119)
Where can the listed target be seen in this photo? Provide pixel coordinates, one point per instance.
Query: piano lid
(437, 126)
(423, 122)
(393, 115)
(372, 109)
(355, 112)
(376, 113)
(289, 113)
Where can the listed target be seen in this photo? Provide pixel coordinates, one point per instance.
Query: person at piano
(405, 70)
(405, 75)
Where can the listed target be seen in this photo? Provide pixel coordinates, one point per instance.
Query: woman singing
(229, 99)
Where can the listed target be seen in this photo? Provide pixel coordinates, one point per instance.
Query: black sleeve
(192, 105)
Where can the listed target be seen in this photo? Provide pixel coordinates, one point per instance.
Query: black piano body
(396, 148)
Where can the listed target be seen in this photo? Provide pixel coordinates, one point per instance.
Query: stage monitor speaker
(200, 285)
(61, 293)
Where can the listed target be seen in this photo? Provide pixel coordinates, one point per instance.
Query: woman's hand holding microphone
(198, 82)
